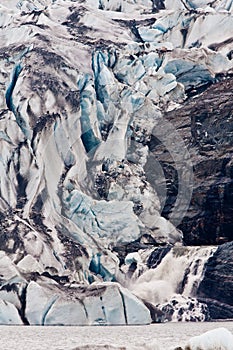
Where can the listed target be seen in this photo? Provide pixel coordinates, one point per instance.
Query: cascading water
(172, 285)
(112, 113)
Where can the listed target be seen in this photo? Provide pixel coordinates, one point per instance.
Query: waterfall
(172, 285)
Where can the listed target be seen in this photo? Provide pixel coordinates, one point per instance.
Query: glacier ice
(219, 338)
(9, 314)
(98, 304)
(84, 88)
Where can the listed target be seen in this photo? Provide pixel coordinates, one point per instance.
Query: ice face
(84, 88)
(101, 304)
(9, 314)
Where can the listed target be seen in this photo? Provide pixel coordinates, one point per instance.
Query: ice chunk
(135, 311)
(188, 73)
(216, 339)
(9, 313)
(132, 258)
(29, 264)
(113, 221)
(99, 304)
(66, 312)
(8, 270)
(38, 302)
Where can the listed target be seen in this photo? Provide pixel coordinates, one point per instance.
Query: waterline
(168, 335)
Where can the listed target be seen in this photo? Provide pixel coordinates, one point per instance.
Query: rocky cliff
(116, 152)
(216, 287)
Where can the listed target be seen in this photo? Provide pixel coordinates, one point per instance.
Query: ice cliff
(116, 132)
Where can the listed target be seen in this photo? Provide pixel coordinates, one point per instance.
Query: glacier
(115, 161)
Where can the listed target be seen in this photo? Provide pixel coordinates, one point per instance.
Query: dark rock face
(189, 310)
(158, 5)
(206, 124)
(85, 95)
(157, 315)
(157, 255)
(216, 289)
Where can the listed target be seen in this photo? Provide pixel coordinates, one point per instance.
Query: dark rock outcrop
(90, 92)
(157, 255)
(205, 123)
(216, 289)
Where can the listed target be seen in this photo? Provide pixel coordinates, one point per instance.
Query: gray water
(168, 335)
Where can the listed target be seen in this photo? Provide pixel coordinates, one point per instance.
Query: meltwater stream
(172, 284)
(168, 335)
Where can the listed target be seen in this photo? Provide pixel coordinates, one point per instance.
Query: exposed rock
(107, 108)
(171, 285)
(157, 315)
(206, 126)
(156, 257)
(183, 309)
(216, 289)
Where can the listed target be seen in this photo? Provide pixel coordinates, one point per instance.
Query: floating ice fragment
(216, 339)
